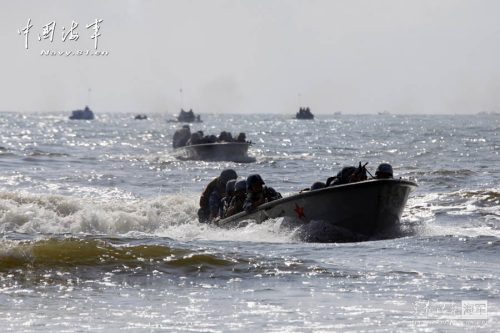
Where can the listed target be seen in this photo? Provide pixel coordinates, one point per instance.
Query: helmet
(228, 174)
(254, 179)
(345, 173)
(230, 185)
(240, 185)
(222, 135)
(317, 185)
(384, 168)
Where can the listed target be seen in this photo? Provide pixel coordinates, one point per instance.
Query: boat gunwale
(213, 144)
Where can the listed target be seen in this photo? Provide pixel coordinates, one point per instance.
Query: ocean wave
(86, 256)
(48, 154)
(107, 259)
(463, 212)
(173, 216)
(42, 213)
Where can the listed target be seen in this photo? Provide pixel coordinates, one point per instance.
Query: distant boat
(304, 113)
(85, 114)
(141, 117)
(186, 117)
(486, 113)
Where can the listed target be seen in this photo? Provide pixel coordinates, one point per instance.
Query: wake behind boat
(355, 211)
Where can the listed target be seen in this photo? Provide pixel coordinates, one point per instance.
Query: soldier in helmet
(181, 136)
(240, 194)
(343, 176)
(212, 195)
(222, 136)
(384, 171)
(241, 137)
(315, 186)
(257, 194)
(194, 140)
(224, 204)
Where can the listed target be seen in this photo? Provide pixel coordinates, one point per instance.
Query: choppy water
(99, 228)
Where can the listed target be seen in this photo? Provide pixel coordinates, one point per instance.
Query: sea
(99, 229)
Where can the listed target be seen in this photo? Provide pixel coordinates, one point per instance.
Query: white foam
(173, 216)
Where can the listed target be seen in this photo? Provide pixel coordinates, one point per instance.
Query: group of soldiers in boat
(304, 113)
(188, 116)
(226, 196)
(184, 137)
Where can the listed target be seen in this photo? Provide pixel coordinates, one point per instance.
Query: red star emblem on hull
(299, 211)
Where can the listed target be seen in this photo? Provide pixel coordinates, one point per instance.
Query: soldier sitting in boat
(384, 171)
(258, 194)
(348, 175)
(342, 177)
(222, 136)
(213, 194)
(225, 137)
(181, 137)
(195, 139)
(315, 186)
(359, 174)
(211, 139)
(226, 201)
(241, 137)
(240, 194)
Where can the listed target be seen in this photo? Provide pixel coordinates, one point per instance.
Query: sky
(251, 56)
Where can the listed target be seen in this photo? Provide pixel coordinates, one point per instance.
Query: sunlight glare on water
(100, 232)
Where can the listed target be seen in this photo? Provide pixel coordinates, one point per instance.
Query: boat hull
(362, 209)
(227, 151)
(297, 116)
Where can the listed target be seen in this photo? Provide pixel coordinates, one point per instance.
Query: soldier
(213, 194)
(226, 201)
(240, 194)
(181, 136)
(384, 171)
(258, 194)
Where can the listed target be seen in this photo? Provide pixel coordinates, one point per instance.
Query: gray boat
(85, 114)
(187, 117)
(220, 151)
(350, 212)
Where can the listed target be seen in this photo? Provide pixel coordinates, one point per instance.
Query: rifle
(359, 174)
(330, 180)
